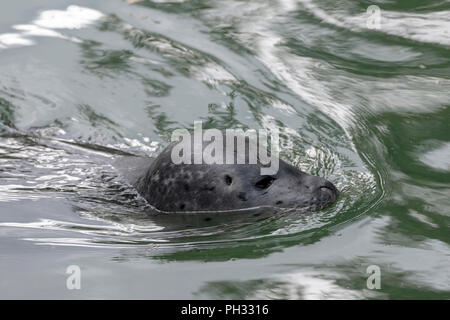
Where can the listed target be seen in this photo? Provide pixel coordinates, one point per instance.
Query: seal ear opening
(264, 182)
(228, 179)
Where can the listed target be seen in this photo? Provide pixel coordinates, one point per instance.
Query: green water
(368, 109)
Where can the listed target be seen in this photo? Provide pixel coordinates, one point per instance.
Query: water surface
(85, 85)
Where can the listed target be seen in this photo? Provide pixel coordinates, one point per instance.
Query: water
(84, 86)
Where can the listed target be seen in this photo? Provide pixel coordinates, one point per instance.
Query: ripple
(74, 17)
(437, 158)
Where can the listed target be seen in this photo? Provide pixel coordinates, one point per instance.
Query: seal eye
(265, 182)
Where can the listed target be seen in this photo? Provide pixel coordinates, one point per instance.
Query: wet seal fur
(173, 187)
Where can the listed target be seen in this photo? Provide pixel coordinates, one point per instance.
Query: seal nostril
(328, 190)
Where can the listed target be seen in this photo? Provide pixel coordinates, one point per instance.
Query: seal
(183, 187)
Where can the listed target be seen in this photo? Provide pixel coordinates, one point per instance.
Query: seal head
(173, 187)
